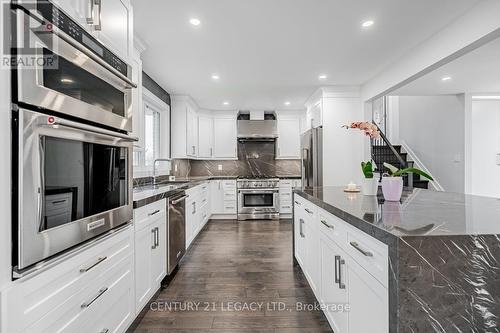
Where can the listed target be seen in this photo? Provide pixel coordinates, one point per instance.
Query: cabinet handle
(300, 228)
(211, 152)
(337, 259)
(98, 26)
(287, 207)
(105, 330)
(59, 201)
(154, 213)
(194, 208)
(297, 203)
(341, 284)
(99, 294)
(310, 212)
(90, 19)
(365, 253)
(153, 231)
(157, 236)
(100, 260)
(327, 225)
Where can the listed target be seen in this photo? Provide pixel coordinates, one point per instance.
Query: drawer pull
(106, 330)
(365, 253)
(154, 213)
(99, 294)
(309, 211)
(100, 260)
(329, 226)
(297, 203)
(286, 207)
(59, 201)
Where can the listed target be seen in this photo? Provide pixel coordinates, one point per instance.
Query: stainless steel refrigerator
(312, 158)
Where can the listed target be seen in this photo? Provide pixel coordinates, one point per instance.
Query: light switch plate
(219, 167)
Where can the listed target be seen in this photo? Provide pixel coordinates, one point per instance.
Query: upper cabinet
(114, 26)
(205, 136)
(288, 143)
(314, 116)
(225, 137)
(191, 132)
(110, 21)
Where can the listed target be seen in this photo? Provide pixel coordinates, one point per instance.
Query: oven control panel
(64, 23)
(258, 183)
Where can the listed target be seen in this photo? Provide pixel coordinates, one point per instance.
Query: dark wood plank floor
(231, 267)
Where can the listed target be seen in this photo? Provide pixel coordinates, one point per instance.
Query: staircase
(383, 153)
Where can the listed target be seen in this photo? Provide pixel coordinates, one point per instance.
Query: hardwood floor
(236, 277)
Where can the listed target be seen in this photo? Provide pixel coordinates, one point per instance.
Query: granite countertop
(146, 194)
(420, 213)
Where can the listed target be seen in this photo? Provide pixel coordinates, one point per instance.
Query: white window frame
(163, 168)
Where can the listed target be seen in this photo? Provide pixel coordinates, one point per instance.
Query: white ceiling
(271, 51)
(474, 72)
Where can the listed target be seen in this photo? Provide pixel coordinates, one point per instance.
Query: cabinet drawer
(229, 184)
(286, 183)
(145, 215)
(230, 207)
(229, 196)
(332, 227)
(370, 253)
(31, 299)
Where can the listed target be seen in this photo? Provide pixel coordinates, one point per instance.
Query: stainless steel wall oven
(72, 155)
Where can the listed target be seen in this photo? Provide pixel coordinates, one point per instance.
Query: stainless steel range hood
(257, 129)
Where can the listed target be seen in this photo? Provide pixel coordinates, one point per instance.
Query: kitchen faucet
(154, 167)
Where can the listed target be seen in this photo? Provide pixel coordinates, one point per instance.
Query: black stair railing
(380, 154)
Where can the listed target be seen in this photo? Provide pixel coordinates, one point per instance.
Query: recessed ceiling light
(323, 77)
(195, 22)
(67, 81)
(446, 78)
(287, 103)
(225, 103)
(215, 77)
(367, 24)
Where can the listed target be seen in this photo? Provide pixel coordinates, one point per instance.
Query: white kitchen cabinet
(116, 26)
(205, 136)
(197, 210)
(191, 132)
(333, 291)
(368, 299)
(345, 267)
(288, 143)
(286, 187)
(191, 218)
(150, 250)
(223, 197)
(314, 116)
(225, 138)
(184, 127)
(74, 294)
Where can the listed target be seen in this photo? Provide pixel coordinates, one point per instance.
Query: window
(152, 136)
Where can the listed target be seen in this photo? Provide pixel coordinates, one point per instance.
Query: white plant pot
(369, 186)
(392, 187)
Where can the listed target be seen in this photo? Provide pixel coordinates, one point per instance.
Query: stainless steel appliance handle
(364, 252)
(176, 201)
(99, 294)
(100, 260)
(305, 160)
(41, 188)
(157, 236)
(90, 54)
(88, 128)
(263, 190)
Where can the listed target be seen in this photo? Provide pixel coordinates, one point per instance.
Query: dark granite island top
(444, 253)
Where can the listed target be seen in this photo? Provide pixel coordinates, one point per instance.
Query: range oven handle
(88, 128)
(266, 191)
(56, 31)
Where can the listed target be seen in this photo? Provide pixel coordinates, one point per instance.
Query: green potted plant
(392, 182)
(369, 185)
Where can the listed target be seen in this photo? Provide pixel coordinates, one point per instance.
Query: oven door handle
(259, 191)
(88, 128)
(62, 35)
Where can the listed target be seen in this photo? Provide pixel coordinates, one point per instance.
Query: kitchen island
(427, 264)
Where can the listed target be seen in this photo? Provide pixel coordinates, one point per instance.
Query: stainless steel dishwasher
(176, 230)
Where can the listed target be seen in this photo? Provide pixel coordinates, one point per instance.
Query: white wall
(485, 134)
(434, 128)
(482, 20)
(342, 149)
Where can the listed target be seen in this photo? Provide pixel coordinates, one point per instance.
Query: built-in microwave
(64, 69)
(74, 183)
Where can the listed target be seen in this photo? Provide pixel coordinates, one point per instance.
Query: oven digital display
(92, 45)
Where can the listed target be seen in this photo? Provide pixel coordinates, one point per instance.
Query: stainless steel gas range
(258, 198)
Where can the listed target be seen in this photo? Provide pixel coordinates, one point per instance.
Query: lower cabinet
(91, 291)
(223, 197)
(197, 210)
(344, 274)
(150, 250)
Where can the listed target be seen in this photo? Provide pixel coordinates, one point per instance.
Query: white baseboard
(224, 217)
